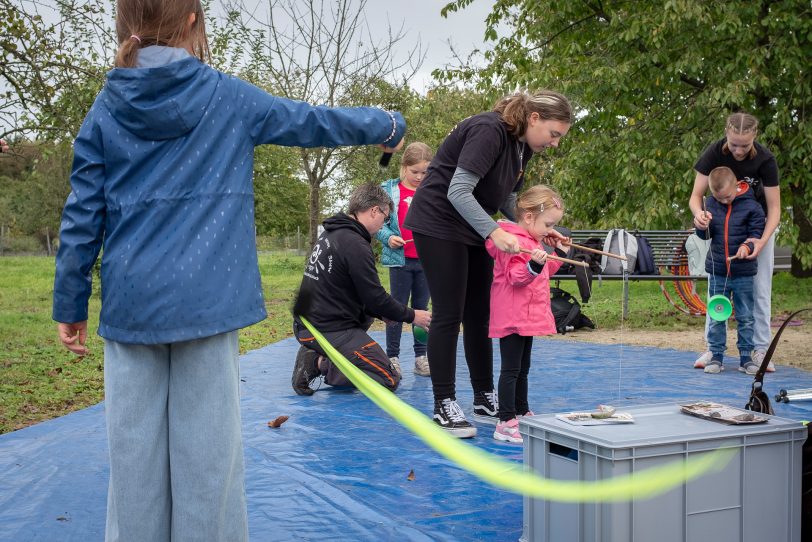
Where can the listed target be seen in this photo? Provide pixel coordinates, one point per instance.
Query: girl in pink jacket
(520, 300)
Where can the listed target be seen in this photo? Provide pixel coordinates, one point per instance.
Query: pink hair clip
(136, 38)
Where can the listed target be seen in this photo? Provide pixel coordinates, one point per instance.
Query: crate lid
(660, 424)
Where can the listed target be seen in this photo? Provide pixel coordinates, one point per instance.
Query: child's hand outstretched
(396, 241)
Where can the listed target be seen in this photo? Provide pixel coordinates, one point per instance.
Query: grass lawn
(39, 379)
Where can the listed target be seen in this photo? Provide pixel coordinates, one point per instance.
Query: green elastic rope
(511, 476)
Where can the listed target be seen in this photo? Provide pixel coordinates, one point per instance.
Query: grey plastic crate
(756, 497)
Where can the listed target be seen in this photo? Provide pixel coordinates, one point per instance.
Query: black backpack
(583, 275)
(567, 312)
(645, 258)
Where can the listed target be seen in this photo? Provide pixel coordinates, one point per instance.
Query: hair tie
(136, 38)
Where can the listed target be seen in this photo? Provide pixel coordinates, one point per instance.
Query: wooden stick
(558, 258)
(596, 251)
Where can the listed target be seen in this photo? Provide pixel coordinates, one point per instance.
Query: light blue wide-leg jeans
(174, 432)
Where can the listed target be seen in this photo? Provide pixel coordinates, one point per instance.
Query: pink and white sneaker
(508, 431)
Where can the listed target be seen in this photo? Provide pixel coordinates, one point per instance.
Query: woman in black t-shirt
(476, 172)
(754, 164)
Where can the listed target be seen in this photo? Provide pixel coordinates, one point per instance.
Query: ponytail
(128, 52)
(516, 109)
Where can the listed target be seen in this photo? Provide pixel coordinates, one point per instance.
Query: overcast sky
(421, 19)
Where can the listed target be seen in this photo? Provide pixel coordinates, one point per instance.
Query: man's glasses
(386, 216)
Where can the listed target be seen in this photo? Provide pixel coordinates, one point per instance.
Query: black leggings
(459, 278)
(515, 350)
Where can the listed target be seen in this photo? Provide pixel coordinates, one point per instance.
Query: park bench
(670, 257)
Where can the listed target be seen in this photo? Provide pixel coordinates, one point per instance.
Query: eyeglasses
(386, 216)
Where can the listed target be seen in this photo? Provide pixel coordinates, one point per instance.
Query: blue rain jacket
(391, 257)
(162, 179)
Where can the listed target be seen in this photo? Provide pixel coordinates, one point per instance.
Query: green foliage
(653, 82)
(280, 195)
(51, 71)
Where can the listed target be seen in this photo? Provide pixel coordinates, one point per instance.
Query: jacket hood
(743, 192)
(164, 102)
(343, 221)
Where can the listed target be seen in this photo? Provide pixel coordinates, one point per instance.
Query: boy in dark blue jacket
(735, 216)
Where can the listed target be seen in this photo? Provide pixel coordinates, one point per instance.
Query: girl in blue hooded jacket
(162, 181)
(406, 276)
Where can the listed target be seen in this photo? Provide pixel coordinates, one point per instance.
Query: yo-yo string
(597, 325)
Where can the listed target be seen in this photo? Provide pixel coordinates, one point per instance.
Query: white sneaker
(421, 366)
(703, 360)
(396, 364)
(758, 358)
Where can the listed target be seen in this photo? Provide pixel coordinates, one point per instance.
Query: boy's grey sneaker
(748, 367)
(715, 365)
(421, 366)
(305, 370)
(449, 416)
(486, 407)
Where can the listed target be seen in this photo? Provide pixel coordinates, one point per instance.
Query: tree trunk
(804, 223)
(314, 211)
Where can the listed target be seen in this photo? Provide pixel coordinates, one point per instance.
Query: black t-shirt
(482, 145)
(758, 172)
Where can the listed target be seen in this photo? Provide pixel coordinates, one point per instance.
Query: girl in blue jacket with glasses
(162, 182)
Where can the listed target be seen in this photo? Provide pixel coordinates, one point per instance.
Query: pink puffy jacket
(520, 300)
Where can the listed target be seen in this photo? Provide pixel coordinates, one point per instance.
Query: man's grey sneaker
(703, 360)
(421, 366)
(305, 370)
(449, 416)
(395, 361)
(758, 357)
(486, 407)
(749, 367)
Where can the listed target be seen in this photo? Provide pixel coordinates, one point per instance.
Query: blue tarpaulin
(338, 469)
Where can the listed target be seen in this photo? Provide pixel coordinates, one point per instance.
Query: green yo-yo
(421, 335)
(720, 308)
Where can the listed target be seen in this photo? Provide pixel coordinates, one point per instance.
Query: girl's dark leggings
(515, 350)
(459, 278)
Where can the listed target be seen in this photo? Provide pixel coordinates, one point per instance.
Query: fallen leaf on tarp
(411, 476)
(278, 421)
